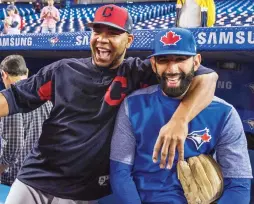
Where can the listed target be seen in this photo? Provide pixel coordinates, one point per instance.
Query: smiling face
(109, 45)
(175, 72)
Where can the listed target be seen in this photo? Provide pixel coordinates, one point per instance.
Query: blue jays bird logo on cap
(170, 38)
(250, 122)
(200, 137)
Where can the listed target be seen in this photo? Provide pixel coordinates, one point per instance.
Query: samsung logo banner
(225, 38)
(82, 40)
(208, 39)
(16, 42)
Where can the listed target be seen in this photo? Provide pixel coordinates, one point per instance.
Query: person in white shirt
(195, 13)
(50, 16)
(12, 21)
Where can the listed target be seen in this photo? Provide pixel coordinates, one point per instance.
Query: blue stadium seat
(152, 15)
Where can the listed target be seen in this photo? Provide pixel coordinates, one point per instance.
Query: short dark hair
(14, 65)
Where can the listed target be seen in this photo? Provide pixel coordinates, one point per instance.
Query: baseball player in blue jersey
(70, 161)
(217, 129)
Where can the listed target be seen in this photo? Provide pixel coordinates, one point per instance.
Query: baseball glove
(201, 179)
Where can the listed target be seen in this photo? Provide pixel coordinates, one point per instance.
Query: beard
(185, 80)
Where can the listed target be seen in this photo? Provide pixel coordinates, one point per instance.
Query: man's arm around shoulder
(200, 93)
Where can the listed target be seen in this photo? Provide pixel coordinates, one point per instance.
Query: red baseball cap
(113, 16)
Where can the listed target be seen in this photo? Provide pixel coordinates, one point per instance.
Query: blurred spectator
(21, 26)
(12, 21)
(195, 13)
(50, 16)
(37, 6)
(1, 27)
(18, 132)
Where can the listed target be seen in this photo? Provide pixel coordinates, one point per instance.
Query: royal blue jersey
(217, 129)
(71, 158)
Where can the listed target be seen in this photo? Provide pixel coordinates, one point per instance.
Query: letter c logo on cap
(107, 11)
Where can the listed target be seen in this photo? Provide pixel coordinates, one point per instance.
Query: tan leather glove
(201, 179)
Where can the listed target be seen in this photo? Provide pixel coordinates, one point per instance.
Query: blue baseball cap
(174, 41)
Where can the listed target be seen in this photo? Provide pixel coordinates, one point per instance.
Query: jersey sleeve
(231, 149)
(123, 141)
(142, 72)
(122, 184)
(122, 158)
(31, 93)
(236, 190)
(203, 70)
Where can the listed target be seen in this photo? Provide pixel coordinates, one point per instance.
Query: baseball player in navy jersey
(134, 177)
(70, 162)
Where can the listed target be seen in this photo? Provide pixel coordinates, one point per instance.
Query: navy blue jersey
(71, 159)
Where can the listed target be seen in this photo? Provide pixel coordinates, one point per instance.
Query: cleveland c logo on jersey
(200, 137)
(119, 84)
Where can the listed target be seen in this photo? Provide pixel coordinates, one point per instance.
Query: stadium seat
(152, 15)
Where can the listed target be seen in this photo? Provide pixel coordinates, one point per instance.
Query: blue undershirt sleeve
(123, 186)
(236, 190)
